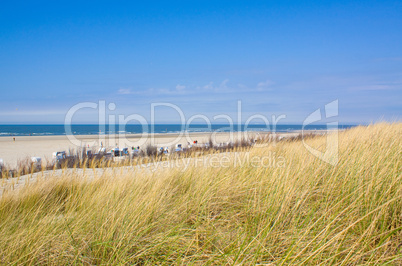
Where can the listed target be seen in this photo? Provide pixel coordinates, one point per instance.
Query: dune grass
(295, 210)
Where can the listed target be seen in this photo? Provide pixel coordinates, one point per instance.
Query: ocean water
(45, 130)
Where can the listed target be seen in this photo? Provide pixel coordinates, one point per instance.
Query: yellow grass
(298, 210)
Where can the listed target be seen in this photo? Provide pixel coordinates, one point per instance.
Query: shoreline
(6, 131)
(161, 133)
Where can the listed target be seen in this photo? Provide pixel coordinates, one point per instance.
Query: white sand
(43, 146)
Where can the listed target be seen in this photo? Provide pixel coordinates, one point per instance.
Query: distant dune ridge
(269, 205)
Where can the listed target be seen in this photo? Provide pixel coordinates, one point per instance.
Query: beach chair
(178, 148)
(36, 162)
(125, 152)
(60, 155)
(115, 152)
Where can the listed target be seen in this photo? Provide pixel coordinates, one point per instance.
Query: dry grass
(78, 158)
(299, 210)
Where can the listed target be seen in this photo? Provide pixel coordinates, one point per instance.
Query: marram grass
(301, 211)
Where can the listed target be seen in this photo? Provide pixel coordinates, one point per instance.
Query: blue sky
(276, 57)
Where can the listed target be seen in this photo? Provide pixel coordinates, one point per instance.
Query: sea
(79, 129)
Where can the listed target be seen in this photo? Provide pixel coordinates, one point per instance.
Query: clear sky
(276, 57)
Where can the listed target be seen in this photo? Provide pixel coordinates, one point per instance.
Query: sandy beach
(43, 146)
